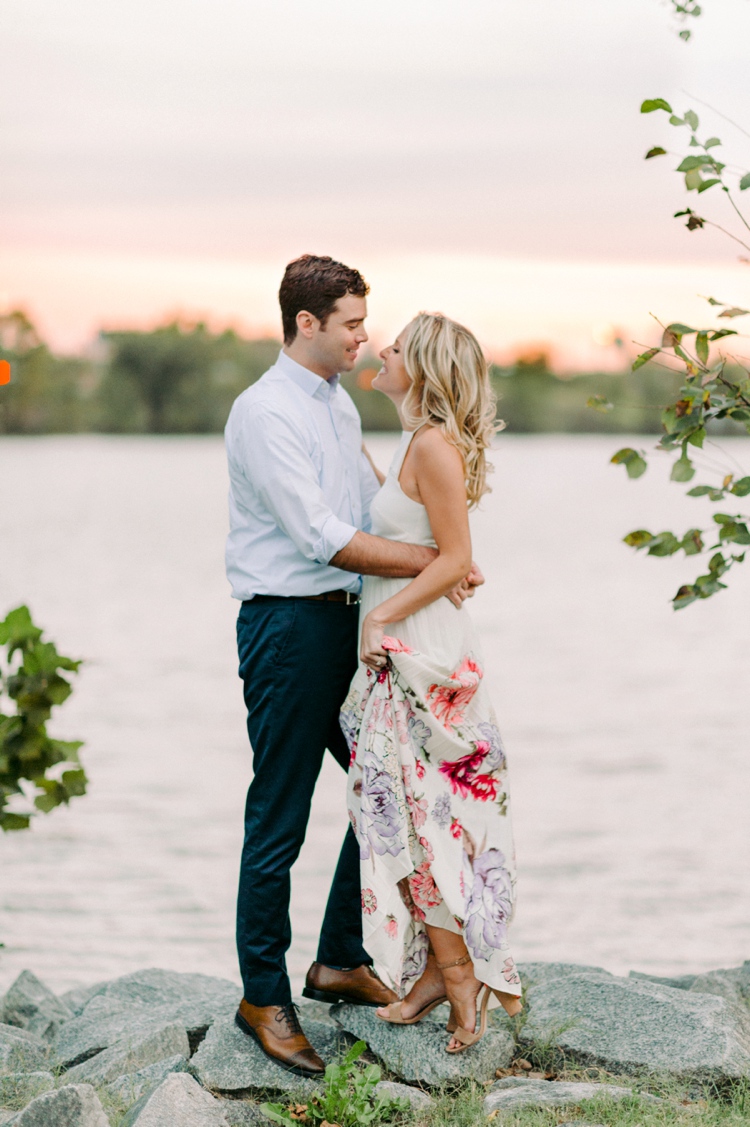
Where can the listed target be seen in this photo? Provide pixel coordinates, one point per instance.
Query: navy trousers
(297, 658)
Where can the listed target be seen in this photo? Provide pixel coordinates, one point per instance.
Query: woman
(428, 795)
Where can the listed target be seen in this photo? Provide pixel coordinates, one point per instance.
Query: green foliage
(348, 1098)
(31, 679)
(633, 462)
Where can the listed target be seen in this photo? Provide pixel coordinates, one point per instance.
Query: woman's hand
(371, 649)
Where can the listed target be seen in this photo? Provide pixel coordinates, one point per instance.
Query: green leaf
(690, 163)
(741, 488)
(701, 346)
(644, 358)
(708, 184)
(14, 821)
(74, 782)
(657, 151)
(664, 544)
(712, 142)
(697, 437)
(599, 403)
(638, 539)
(652, 104)
(691, 119)
(684, 597)
(745, 182)
(680, 330)
(692, 542)
(683, 469)
(693, 179)
(734, 311)
(631, 459)
(719, 333)
(675, 120)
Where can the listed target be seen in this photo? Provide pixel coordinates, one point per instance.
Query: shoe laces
(289, 1014)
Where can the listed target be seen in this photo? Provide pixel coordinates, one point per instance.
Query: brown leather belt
(348, 597)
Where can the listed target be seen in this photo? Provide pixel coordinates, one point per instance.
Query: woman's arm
(439, 473)
(378, 473)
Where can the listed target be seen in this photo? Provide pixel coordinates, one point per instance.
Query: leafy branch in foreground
(348, 1098)
(32, 680)
(713, 391)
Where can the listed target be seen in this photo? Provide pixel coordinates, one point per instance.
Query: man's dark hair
(315, 284)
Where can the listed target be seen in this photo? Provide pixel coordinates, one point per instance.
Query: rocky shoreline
(157, 1047)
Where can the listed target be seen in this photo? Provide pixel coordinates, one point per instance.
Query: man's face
(336, 345)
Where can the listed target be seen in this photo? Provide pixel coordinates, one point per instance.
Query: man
(300, 489)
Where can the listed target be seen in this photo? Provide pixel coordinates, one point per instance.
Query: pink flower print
(417, 809)
(483, 788)
(391, 927)
(450, 701)
(510, 974)
(419, 768)
(394, 645)
(369, 901)
(353, 756)
(427, 849)
(425, 892)
(456, 830)
(460, 773)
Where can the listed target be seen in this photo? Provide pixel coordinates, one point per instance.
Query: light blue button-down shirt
(299, 484)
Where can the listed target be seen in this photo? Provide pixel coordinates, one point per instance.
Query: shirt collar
(305, 379)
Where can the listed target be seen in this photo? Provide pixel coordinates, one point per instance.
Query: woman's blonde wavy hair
(450, 389)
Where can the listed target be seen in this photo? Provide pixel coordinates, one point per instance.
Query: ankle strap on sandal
(456, 962)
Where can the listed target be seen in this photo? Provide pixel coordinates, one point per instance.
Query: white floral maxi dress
(428, 790)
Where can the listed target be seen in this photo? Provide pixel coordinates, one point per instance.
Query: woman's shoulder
(430, 445)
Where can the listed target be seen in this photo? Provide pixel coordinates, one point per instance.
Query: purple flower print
(419, 733)
(489, 904)
(350, 722)
(379, 821)
(441, 811)
(416, 956)
(495, 760)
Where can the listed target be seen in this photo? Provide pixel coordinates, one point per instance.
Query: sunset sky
(482, 157)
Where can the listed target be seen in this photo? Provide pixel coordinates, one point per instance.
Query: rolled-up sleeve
(281, 472)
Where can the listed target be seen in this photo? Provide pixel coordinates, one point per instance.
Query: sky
(480, 157)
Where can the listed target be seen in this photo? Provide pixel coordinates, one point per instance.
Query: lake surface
(627, 725)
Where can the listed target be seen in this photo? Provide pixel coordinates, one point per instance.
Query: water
(627, 724)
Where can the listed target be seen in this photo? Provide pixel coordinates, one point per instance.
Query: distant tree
(46, 390)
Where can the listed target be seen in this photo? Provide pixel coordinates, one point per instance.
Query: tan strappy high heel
(395, 1016)
(466, 1038)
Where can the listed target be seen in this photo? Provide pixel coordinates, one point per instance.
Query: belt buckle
(351, 599)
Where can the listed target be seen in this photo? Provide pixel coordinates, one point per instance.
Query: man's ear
(306, 324)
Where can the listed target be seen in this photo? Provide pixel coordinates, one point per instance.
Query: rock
(31, 1005)
(515, 1092)
(78, 998)
(20, 1051)
(417, 1052)
(178, 1102)
(132, 1086)
(418, 1099)
(681, 982)
(131, 1053)
(136, 1003)
(20, 1087)
(632, 1025)
(534, 973)
(76, 1105)
(242, 1113)
(231, 1061)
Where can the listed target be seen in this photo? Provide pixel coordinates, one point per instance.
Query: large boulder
(76, 1105)
(516, 1092)
(417, 1052)
(31, 1005)
(732, 984)
(78, 998)
(534, 973)
(20, 1051)
(178, 1100)
(231, 1061)
(20, 1087)
(633, 1025)
(131, 1053)
(130, 1087)
(141, 1002)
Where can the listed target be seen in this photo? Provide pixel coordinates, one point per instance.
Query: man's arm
(373, 555)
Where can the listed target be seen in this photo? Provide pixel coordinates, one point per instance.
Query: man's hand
(466, 589)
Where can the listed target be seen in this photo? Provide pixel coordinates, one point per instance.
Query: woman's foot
(426, 991)
(462, 987)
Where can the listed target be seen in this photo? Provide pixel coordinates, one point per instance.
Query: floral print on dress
(427, 782)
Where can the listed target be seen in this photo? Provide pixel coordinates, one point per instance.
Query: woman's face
(393, 379)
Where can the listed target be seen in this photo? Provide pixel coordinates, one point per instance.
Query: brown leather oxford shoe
(279, 1034)
(360, 986)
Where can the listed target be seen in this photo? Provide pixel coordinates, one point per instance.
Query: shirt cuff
(334, 535)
